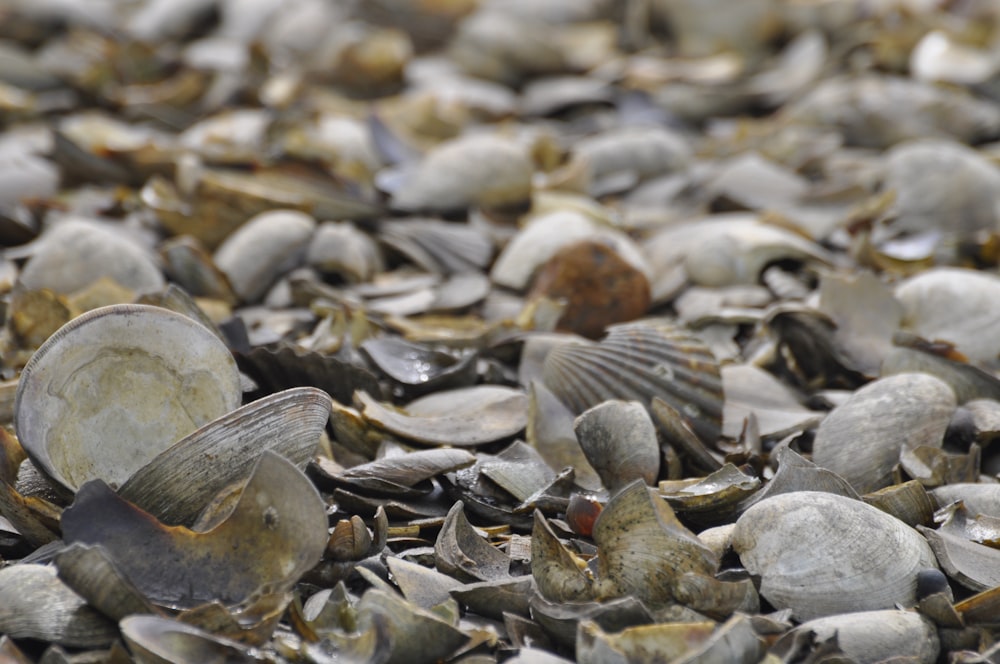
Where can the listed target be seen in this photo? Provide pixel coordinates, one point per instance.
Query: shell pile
(499, 331)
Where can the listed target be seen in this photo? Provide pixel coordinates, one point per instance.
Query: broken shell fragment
(820, 554)
(619, 440)
(36, 604)
(278, 525)
(465, 417)
(155, 640)
(177, 484)
(644, 549)
(115, 387)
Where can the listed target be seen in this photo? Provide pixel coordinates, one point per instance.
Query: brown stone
(599, 286)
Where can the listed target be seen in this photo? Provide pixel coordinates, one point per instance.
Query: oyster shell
(116, 386)
(820, 554)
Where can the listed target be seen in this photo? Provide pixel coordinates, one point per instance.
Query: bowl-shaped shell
(636, 362)
(862, 438)
(115, 387)
(819, 554)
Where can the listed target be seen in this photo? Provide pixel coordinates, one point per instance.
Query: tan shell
(819, 554)
(874, 636)
(115, 387)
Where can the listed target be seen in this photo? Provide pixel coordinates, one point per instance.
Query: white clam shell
(861, 439)
(256, 254)
(820, 554)
(113, 388)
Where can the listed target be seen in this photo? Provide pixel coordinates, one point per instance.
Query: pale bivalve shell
(115, 387)
(820, 554)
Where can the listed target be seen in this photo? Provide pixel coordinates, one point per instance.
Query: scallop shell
(637, 362)
(115, 387)
(819, 554)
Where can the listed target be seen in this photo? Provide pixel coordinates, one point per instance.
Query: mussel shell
(114, 387)
(640, 361)
(821, 554)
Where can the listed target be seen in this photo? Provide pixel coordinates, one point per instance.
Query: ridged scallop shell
(820, 554)
(636, 362)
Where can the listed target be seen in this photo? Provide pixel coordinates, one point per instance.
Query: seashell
(750, 390)
(711, 499)
(640, 361)
(938, 57)
(978, 498)
(417, 368)
(663, 641)
(493, 599)
(279, 523)
(466, 416)
(873, 636)
(864, 109)
(176, 485)
(89, 571)
(257, 253)
(350, 540)
(909, 502)
(933, 466)
(34, 517)
(820, 554)
(953, 304)
(559, 574)
(477, 170)
(550, 431)
(421, 585)
(77, 252)
(519, 470)
(341, 249)
(189, 264)
(503, 46)
(619, 440)
(638, 152)
(644, 549)
(36, 604)
(156, 376)
(460, 552)
(798, 474)
(400, 474)
(970, 563)
(154, 639)
(560, 620)
(286, 366)
(543, 236)
(861, 440)
(417, 635)
(439, 246)
(917, 355)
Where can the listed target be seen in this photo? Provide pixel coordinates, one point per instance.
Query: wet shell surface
(819, 554)
(637, 362)
(113, 388)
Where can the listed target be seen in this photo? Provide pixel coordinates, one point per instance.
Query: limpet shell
(113, 388)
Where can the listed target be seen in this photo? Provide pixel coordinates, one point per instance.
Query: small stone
(600, 287)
